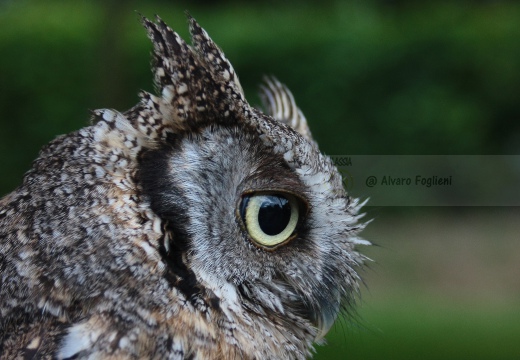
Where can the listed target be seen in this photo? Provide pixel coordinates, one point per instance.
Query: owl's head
(253, 214)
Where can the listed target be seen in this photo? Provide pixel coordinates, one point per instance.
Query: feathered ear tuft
(197, 85)
(214, 59)
(171, 54)
(279, 103)
(179, 76)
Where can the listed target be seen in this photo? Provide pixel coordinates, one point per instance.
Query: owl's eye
(270, 219)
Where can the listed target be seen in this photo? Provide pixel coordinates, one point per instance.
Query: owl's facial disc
(271, 219)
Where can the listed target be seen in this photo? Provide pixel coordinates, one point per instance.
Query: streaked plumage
(144, 234)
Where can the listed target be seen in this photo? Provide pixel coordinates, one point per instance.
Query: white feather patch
(80, 338)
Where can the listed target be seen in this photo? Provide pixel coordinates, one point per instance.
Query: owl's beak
(325, 318)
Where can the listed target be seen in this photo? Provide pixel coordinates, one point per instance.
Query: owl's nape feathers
(191, 226)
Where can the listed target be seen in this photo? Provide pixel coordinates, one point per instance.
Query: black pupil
(274, 214)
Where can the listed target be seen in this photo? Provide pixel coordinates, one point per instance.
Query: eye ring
(270, 218)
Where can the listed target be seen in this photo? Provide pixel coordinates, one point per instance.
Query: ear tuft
(214, 59)
(279, 103)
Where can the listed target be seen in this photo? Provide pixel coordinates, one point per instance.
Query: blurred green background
(372, 77)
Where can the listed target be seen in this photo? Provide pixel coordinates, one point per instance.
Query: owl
(192, 226)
